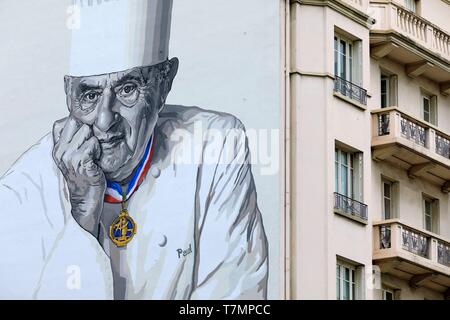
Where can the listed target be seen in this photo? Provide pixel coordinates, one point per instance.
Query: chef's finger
(62, 147)
(58, 127)
(91, 149)
(90, 153)
(80, 137)
(71, 127)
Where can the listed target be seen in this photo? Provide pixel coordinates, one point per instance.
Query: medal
(123, 228)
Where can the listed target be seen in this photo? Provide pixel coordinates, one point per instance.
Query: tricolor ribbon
(113, 192)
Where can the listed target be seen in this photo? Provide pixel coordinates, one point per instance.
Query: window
(429, 108)
(388, 90)
(388, 294)
(389, 192)
(348, 68)
(348, 173)
(388, 201)
(385, 91)
(346, 57)
(344, 162)
(345, 282)
(430, 214)
(411, 5)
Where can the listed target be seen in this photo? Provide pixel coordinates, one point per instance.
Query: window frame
(387, 93)
(349, 55)
(391, 88)
(352, 281)
(411, 5)
(350, 172)
(433, 215)
(432, 106)
(385, 182)
(355, 176)
(390, 291)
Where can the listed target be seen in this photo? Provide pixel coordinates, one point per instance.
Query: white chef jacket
(199, 230)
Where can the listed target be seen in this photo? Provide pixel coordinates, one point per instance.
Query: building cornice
(343, 8)
(446, 1)
(412, 46)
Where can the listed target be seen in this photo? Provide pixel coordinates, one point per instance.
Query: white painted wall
(230, 57)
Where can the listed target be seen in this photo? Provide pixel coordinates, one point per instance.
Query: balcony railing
(415, 242)
(350, 90)
(350, 206)
(413, 131)
(391, 16)
(409, 129)
(393, 124)
(444, 253)
(412, 241)
(442, 146)
(393, 238)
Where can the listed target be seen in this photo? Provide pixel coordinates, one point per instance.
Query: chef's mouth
(111, 142)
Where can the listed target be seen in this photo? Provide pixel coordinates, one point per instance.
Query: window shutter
(434, 110)
(360, 176)
(357, 63)
(393, 90)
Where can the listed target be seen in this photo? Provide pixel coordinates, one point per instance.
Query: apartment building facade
(369, 127)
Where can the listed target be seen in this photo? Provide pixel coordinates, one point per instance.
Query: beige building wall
(323, 118)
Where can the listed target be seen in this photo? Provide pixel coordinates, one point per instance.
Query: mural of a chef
(101, 208)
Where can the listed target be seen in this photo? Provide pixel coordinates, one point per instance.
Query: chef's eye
(89, 99)
(92, 96)
(128, 93)
(128, 89)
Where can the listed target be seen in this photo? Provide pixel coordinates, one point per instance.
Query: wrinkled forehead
(138, 75)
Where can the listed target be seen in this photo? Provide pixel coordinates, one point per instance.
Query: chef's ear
(170, 71)
(67, 85)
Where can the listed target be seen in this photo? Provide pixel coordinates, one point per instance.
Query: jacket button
(155, 171)
(163, 241)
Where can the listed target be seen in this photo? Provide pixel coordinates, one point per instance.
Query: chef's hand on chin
(75, 152)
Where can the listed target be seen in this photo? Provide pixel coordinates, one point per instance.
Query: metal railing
(383, 124)
(442, 146)
(413, 131)
(350, 90)
(350, 206)
(385, 237)
(443, 253)
(415, 242)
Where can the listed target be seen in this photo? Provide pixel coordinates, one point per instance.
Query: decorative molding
(351, 217)
(343, 8)
(311, 74)
(405, 42)
(351, 101)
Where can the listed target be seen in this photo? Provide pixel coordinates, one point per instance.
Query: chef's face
(122, 109)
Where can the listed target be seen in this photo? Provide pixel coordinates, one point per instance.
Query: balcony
(350, 90)
(411, 144)
(409, 39)
(350, 208)
(417, 256)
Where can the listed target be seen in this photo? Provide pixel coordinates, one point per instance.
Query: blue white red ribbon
(113, 192)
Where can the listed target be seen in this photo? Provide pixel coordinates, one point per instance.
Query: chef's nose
(107, 116)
